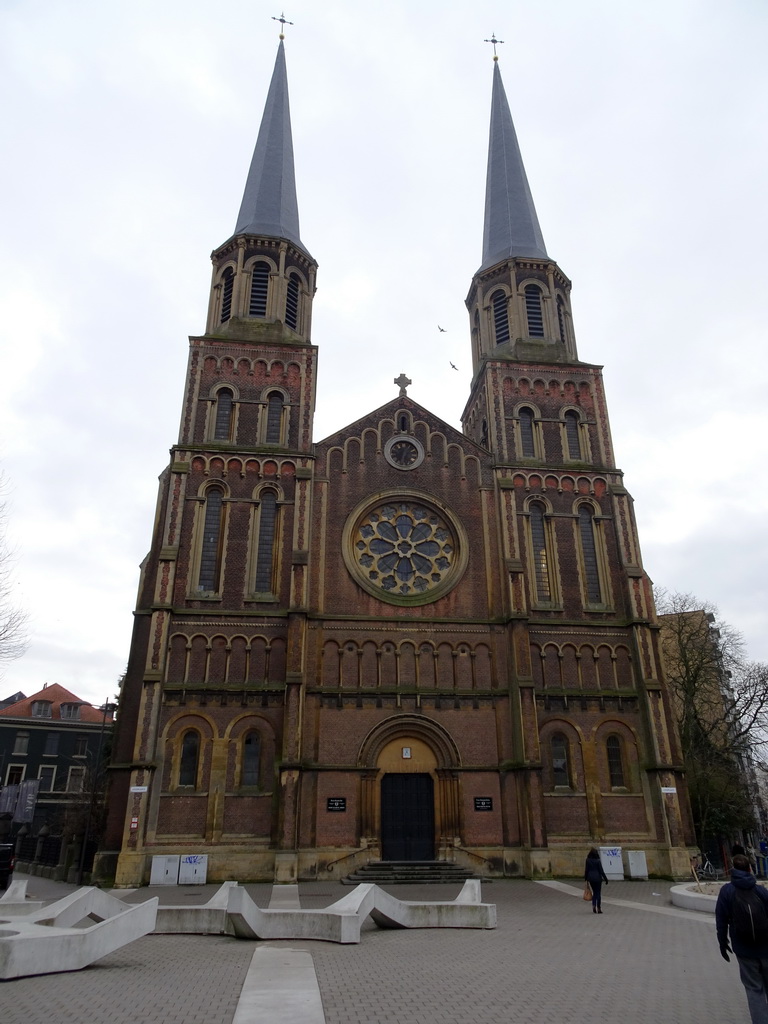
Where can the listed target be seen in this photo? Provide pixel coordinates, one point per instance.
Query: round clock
(403, 452)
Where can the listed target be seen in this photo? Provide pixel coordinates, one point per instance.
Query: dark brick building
(402, 641)
(51, 738)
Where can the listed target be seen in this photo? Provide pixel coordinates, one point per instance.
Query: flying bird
(441, 329)
(453, 365)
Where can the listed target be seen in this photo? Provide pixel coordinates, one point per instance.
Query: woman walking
(594, 874)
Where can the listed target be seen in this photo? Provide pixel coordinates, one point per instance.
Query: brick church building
(400, 642)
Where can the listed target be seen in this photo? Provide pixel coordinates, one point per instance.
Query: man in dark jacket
(752, 957)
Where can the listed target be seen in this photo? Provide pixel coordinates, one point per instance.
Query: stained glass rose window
(404, 548)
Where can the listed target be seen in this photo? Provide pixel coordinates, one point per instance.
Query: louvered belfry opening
(500, 317)
(259, 289)
(534, 312)
(228, 282)
(292, 303)
(224, 408)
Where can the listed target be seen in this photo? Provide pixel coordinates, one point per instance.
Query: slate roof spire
(269, 204)
(511, 225)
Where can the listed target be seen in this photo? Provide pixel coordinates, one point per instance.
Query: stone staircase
(408, 872)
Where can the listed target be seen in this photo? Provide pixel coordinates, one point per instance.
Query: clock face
(403, 452)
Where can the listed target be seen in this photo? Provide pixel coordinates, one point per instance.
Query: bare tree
(13, 619)
(721, 706)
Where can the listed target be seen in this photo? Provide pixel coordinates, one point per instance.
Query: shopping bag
(587, 892)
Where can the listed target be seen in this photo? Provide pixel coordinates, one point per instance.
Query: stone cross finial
(402, 382)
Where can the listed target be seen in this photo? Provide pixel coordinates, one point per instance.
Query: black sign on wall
(336, 803)
(483, 803)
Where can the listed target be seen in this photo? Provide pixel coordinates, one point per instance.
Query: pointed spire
(511, 225)
(269, 204)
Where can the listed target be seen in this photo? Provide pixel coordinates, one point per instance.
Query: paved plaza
(549, 960)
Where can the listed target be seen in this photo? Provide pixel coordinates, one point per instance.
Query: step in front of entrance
(410, 872)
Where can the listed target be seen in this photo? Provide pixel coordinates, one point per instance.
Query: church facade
(402, 642)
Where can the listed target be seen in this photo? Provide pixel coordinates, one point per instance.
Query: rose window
(404, 548)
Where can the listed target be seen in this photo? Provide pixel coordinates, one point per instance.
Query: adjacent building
(52, 739)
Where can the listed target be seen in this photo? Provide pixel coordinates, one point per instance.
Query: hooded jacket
(739, 880)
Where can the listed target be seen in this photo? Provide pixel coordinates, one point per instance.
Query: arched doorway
(409, 796)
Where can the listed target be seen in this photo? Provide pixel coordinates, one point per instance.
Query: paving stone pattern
(550, 961)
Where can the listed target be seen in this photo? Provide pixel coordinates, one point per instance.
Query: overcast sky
(128, 130)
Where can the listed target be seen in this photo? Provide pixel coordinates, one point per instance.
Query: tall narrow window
(251, 759)
(528, 448)
(75, 780)
(500, 317)
(21, 743)
(534, 312)
(265, 548)
(615, 762)
(259, 289)
(274, 418)
(572, 434)
(292, 302)
(210, 555)
(540, 560)
(561, 775)
(561, 318)
(47, 778)
(222, 429)
(589, 555)
(227, 284)
(190, 752)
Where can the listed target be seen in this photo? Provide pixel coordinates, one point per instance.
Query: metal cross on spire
(496, 42)
(283, 22)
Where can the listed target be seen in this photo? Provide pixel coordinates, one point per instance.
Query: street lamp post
(105, 710)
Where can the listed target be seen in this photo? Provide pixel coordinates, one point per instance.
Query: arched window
(534, 312)
(561, 318)
(500, 317)
(403, 422)
(484, 434)
(272, 434)
(222, 427)
(540, 558)
(589, 555)
(615, 762)
(265, 546)
(292, 302)
(251, 759)
(527, 446)
(259, 289)
(190, 753)
(561, 774)
(210, 554)
(572, 434)
(227, 284)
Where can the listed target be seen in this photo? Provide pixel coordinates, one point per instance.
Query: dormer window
(70, 711)
(534, 312)
(41, 709)
(227, 286)
(259, 289)
(292, 302)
